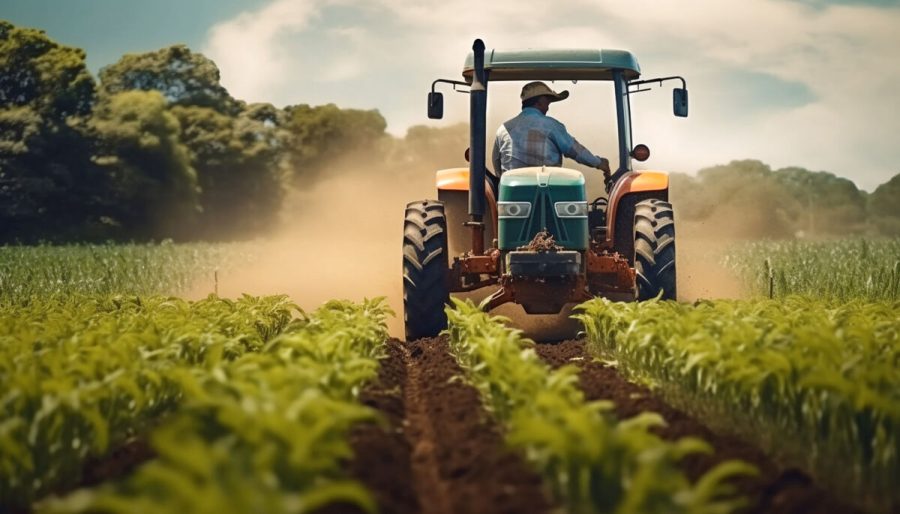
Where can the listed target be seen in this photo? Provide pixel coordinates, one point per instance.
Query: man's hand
(604, 165)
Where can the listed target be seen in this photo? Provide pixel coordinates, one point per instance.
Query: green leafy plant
(813, 381)
(79, 375)
(591, 461)
(265, 431)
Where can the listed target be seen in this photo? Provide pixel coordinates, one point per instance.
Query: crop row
(591, 461)
(841, 270)
(247, 407)
(264, 432)
(80, 375)
(814, 382)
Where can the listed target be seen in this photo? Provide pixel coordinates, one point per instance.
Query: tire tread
(425, 267)
(654, 250)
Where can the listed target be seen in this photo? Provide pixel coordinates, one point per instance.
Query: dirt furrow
(381, 452)
(479, 474)
(775, 490)
(442, 453)
(429, 483)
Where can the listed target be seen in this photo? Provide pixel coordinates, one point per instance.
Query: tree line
(747, 199)
(155, 147)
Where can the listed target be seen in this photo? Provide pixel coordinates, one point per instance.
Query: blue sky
(810, 83)
(106, 29)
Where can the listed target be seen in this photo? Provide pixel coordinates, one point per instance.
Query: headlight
(571, 209)
(513, 209)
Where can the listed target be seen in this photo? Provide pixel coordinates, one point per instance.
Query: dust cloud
(701, 274)
(341, 238)
(700, 248)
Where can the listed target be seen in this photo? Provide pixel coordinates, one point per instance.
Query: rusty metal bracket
(605, 272)
(467, 272)
(609, 272)
(480, 263)
(477, 236)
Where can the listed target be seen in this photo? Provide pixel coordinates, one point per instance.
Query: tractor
(549, 245)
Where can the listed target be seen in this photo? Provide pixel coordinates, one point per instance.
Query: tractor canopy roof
(557, 64)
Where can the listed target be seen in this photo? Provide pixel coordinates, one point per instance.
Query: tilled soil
(441, 453)
(774, 490)
(118, 463)
(382, 454)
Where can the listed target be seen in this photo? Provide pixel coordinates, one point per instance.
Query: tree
(235, 149)
(152, 187)
(884, 207)
(826, 204)
(46, 177)
(327, 136)
(238, 163)
(740, 199)
(181, 76)
(38, 73)
(748, 199)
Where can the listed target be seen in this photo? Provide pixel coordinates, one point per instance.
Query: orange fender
(453, 179)
(457, 179)
(633, 182)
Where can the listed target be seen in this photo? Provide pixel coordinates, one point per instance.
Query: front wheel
(654, 249)
(425, 267)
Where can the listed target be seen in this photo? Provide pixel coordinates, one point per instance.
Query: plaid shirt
(534, 139)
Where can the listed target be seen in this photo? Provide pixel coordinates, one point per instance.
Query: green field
(814, 381)
(255, 400)
(138, 269)
(863, 269)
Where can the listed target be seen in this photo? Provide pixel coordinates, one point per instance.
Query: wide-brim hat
(533, 89)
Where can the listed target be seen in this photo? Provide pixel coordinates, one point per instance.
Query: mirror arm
(448, 81)
(657, 81)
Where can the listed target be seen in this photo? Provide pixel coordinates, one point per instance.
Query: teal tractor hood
(542, 188)
(544, 176)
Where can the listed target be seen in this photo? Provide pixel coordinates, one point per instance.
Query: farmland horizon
(222, 166)
(237, 271)
(781, 98)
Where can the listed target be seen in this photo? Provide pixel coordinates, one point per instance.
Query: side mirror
(435, 105)
(680, 101)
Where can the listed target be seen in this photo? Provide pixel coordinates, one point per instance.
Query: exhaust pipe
(477, 127)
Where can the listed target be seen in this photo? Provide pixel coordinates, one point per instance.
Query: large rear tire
(654, 250)
(425, 268)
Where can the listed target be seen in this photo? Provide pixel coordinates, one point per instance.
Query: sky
(811, 83)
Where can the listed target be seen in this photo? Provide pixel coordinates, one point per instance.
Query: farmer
(534, 139)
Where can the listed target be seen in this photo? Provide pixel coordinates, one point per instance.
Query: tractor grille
(544, 217)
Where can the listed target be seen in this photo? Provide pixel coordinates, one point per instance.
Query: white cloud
(248, 48)
(384, 54)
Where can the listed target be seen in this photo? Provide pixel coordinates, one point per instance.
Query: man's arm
(572, 149)
(581, 154)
